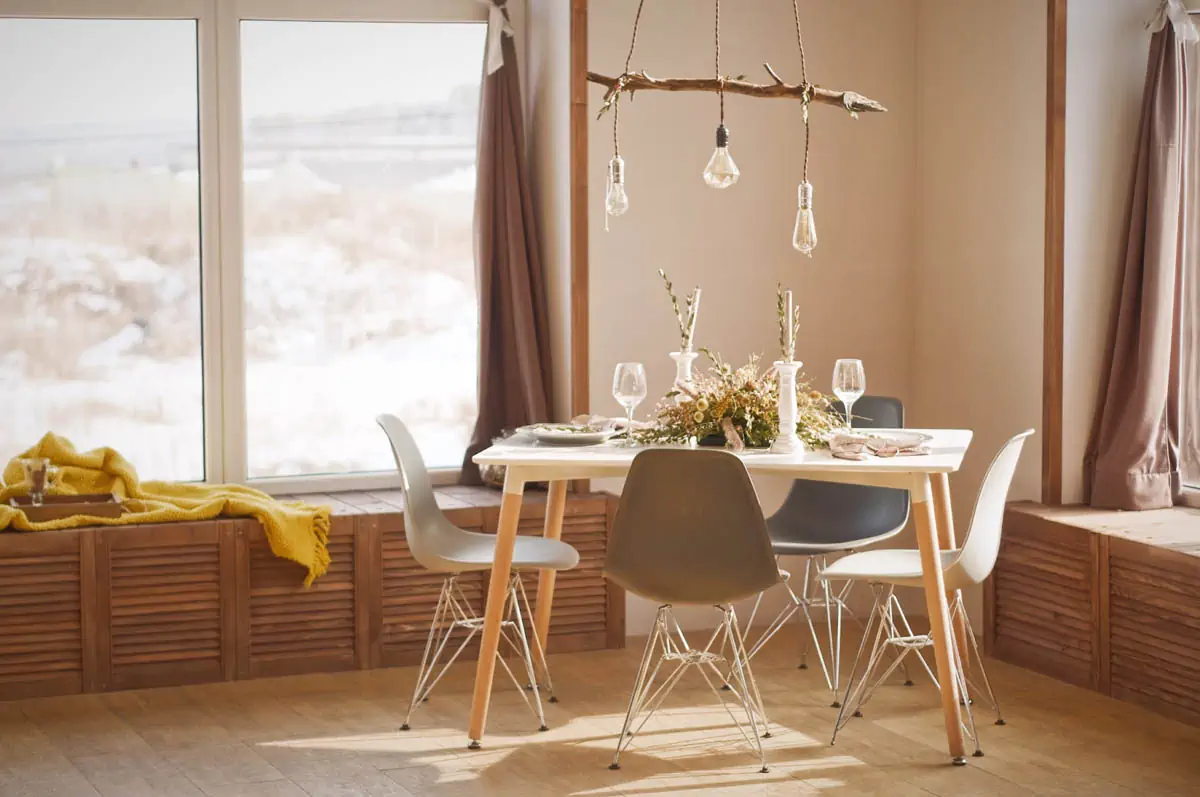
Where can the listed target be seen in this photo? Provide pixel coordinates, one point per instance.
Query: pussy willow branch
(687, 322)
(631, 82)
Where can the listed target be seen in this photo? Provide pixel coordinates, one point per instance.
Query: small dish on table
(568, 434)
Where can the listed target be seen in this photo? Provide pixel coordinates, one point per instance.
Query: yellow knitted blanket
(295, 531)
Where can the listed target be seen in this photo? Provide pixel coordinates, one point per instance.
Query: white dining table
(925, 476)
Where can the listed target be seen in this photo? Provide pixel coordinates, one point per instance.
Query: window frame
(219, 116)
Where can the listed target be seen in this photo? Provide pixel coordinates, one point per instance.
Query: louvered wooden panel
(130, 607)
(1154, 627)
(579, 619)
(41, 640)
(409, 592)
(1043, 608)
(293, 629)
(165, 610)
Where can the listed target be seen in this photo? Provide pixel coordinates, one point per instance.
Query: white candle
(791, 349)
(695, 317)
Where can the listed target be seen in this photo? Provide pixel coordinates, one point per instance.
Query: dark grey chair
(822, 518)
(690, 530)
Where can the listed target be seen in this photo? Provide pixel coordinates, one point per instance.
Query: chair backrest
(689, 530)
(982, 546)
(874, 412)
(424, 523)
(829, 513)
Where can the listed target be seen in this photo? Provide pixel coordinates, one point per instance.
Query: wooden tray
(60, 506)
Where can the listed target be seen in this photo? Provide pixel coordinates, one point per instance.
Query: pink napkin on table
(845, 445)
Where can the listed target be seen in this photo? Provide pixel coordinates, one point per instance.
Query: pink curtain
(514, 330)
(1134, 456)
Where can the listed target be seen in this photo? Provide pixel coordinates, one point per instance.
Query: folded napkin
(846, 445)
(604, 423)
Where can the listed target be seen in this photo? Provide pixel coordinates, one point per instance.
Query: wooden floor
(336, 735)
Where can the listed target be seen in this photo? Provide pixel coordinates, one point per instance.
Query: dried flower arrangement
(686, 320)
(740, 406)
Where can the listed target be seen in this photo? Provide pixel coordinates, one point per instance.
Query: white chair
(440, 546)
(962, 568)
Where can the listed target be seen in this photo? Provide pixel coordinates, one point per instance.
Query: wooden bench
(108, 608)
(1104, 600)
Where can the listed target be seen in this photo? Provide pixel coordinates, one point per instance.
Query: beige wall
(855, 294)
(547, 65)
(1107, 46)
(981, 75)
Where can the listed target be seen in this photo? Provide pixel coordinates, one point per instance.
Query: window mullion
(210, 274)
(230, 302)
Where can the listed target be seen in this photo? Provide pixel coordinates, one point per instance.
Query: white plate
(567, 434)
(901, 438)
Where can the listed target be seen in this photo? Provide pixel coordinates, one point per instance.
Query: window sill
(347, 482)
(1177, 528)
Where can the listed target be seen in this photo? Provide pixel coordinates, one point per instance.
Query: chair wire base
(827, 599)
(894, 635)
(454, 612)
(668, 645)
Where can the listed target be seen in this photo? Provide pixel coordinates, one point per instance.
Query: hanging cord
(720, 80)
(621, 80)
(803, 81)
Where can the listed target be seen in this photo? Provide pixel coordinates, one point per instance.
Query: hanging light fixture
(804, 234)
(617, 201)
(721, 171)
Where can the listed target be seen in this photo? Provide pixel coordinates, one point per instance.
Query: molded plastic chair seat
(901, 567)
(690, 530)
(442, 547)
(965, 567)
(474, 551)
(818, 532)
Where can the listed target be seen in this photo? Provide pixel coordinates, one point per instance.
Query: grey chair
(822, 518)
(689, 530)
(440, 546)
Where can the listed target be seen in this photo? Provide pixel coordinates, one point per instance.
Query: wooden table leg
(939, 612)
(489, 640)
(944, 512)
(556, 505)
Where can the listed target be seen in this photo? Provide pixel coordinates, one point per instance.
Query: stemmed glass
(629, 388)
(849, 383)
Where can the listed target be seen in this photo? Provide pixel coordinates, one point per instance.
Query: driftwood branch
(850, 101)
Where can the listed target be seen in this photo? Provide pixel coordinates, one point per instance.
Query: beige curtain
(514, 334)
(1189, 445)
(1133, 459)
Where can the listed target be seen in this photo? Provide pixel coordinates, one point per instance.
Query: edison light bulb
(804, 237)
(721, 171)
(617, 201)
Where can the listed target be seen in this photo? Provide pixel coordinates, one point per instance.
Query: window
(100, 239)
(232, 232)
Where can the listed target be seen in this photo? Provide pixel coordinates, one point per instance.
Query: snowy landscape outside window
(100, 332)
(359, 192)
(240, 315)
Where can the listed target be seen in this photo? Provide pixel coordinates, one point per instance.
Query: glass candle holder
(38, 473)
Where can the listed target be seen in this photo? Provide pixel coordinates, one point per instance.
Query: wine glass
(629, 388)
(849, 383)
